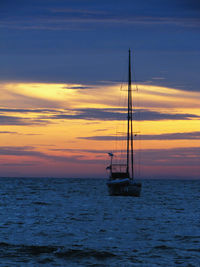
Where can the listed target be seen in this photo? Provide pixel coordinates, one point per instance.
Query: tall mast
(130, 120)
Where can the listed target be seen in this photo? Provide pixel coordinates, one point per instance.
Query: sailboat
(121, 180)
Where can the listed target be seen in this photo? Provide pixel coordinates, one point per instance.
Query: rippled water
(73, 222)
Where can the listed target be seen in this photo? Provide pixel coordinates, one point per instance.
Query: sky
(63, 74)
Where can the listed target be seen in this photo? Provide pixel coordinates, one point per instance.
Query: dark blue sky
(87, 41)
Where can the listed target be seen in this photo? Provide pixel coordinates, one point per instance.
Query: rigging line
(131, 105)
(124, 126)
(137, 115)
(122, 122)
(123, 104)
(139, 123)
(117, 137)
(139, 129)
(137, 105)
(131, 117)
(117, 126)
(134, 78)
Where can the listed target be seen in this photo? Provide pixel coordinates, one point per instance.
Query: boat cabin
(118, 171)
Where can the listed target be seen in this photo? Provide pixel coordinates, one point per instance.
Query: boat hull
(124, 189)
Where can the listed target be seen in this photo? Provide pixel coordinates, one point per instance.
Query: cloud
(22, 110)
(93, 151)
(185, 156)
(54, 16)
(21, 164)
(85, 23)
(78, 87)
(29, 151)
(156, 158)
(8, 132)
(110, 114)
(17, 150)
(91, 114)
(158, 78)
(77, 11)
(172, 136)
(103, 138)
(169, 136)
(41, 119)
(153, 115)
(13, 120)
(17, 133)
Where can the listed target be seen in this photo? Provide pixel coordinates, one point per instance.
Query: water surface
(73, 222)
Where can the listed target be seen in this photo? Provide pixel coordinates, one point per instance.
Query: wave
(40, 203)
(186, 237)
(163, 247)
(193, 249)
(9, 250)
(86, 253)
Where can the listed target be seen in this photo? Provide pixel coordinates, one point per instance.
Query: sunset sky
(63, 74)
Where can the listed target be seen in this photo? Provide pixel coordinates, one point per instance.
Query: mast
(130, 121)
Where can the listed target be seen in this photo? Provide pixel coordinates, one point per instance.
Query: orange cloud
(61, 121)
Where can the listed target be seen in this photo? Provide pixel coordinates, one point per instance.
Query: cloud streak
(169, 136)
(22, 110)
(185, 156)
(189, 156)
(47, 116)
(29, 151)
(13, 120)
(77, 19)
(57, 16)
(9, 132)
(111, 114)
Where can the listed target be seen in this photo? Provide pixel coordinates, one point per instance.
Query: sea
(74, 222)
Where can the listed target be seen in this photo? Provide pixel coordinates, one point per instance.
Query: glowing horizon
(65, 130)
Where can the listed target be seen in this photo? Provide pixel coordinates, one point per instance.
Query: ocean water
(73, 222)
